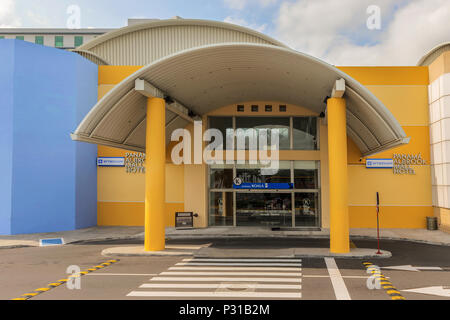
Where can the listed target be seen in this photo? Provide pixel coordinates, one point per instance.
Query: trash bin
(432, 223)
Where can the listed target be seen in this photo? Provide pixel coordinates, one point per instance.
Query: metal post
(378, 222)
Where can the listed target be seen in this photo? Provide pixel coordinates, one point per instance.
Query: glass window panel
(253, 173)
(224, 125)
(39, 40)
(305, 133)
(221, 177)
(264, 123)
(264, 209)
(307, 210)
(78, 41)
(59, 41)
(221, 209)
(306, 175)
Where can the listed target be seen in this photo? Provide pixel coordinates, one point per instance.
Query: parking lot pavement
(24, 270)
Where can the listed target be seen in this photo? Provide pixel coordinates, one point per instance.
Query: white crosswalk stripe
(227, 278)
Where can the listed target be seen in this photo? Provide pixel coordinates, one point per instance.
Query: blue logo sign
(111, 162)
(264, 186)
(379, 163)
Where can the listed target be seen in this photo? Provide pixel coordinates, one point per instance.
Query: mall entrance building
(345, 133)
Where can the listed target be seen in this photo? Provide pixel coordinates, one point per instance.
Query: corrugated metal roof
(141, 44)
(433, 54)
(206, 78)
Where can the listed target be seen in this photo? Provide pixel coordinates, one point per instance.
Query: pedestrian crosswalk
(207, 278)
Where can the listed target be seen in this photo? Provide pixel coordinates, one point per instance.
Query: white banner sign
(379, 163)
(111, 162)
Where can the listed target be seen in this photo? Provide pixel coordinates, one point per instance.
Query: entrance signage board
(184, 220)
(379, 163)
(264, 186)
(111, 162)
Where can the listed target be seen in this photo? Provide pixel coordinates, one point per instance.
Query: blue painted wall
(6, 134)
(54, 184)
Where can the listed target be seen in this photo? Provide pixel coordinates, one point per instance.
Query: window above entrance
(295, 133)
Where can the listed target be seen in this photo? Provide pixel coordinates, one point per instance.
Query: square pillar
(338, 171)
(155, 190)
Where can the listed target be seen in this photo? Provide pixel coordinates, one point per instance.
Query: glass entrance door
(263, 209)
(298, 207)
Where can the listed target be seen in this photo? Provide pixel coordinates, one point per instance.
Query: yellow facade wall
(405, 199)
(121, 194)
(397, 217)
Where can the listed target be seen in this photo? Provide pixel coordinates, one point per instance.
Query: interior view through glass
(294, 206)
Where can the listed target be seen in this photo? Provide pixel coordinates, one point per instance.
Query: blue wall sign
(111, 162)
(51, 242)
(379, 163)
(264, 186)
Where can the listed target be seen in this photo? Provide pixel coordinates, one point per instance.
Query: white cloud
(241, 4)
(244, 23)
(38, 20)
(8, 17)
(336, 30)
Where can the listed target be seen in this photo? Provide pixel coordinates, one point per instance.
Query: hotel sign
(401, 163)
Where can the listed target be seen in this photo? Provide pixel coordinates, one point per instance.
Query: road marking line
(30, 294)
(224, 279)
(122, 274)
(62, 281)
(216, 286)
(237, 264)
(161, 294)
(277, 274)
(392, 291)
(327, 276)
(56, 284)
(235, 268)
(242, 260)
(340, 290)
(387, 285)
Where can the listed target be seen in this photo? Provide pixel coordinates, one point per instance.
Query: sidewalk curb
(246, 236)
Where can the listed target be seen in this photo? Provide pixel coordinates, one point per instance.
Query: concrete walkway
(116, 233)
(89, 234)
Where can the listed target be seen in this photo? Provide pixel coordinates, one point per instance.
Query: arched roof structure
(211, 76)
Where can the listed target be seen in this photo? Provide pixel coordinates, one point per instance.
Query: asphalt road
(23, 270)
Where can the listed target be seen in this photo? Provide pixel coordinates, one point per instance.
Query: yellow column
(337, 149)
(155, 175)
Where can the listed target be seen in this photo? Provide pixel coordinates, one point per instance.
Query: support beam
(337, 150)
(155, 172)
(149, 91)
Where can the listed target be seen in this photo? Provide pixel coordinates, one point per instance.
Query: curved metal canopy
(433, 54)
(209, 77)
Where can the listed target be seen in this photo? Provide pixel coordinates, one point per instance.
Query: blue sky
(333, 30)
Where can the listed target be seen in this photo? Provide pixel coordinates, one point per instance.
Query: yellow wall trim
(131, 213)
(115, 74)
(388, 75)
